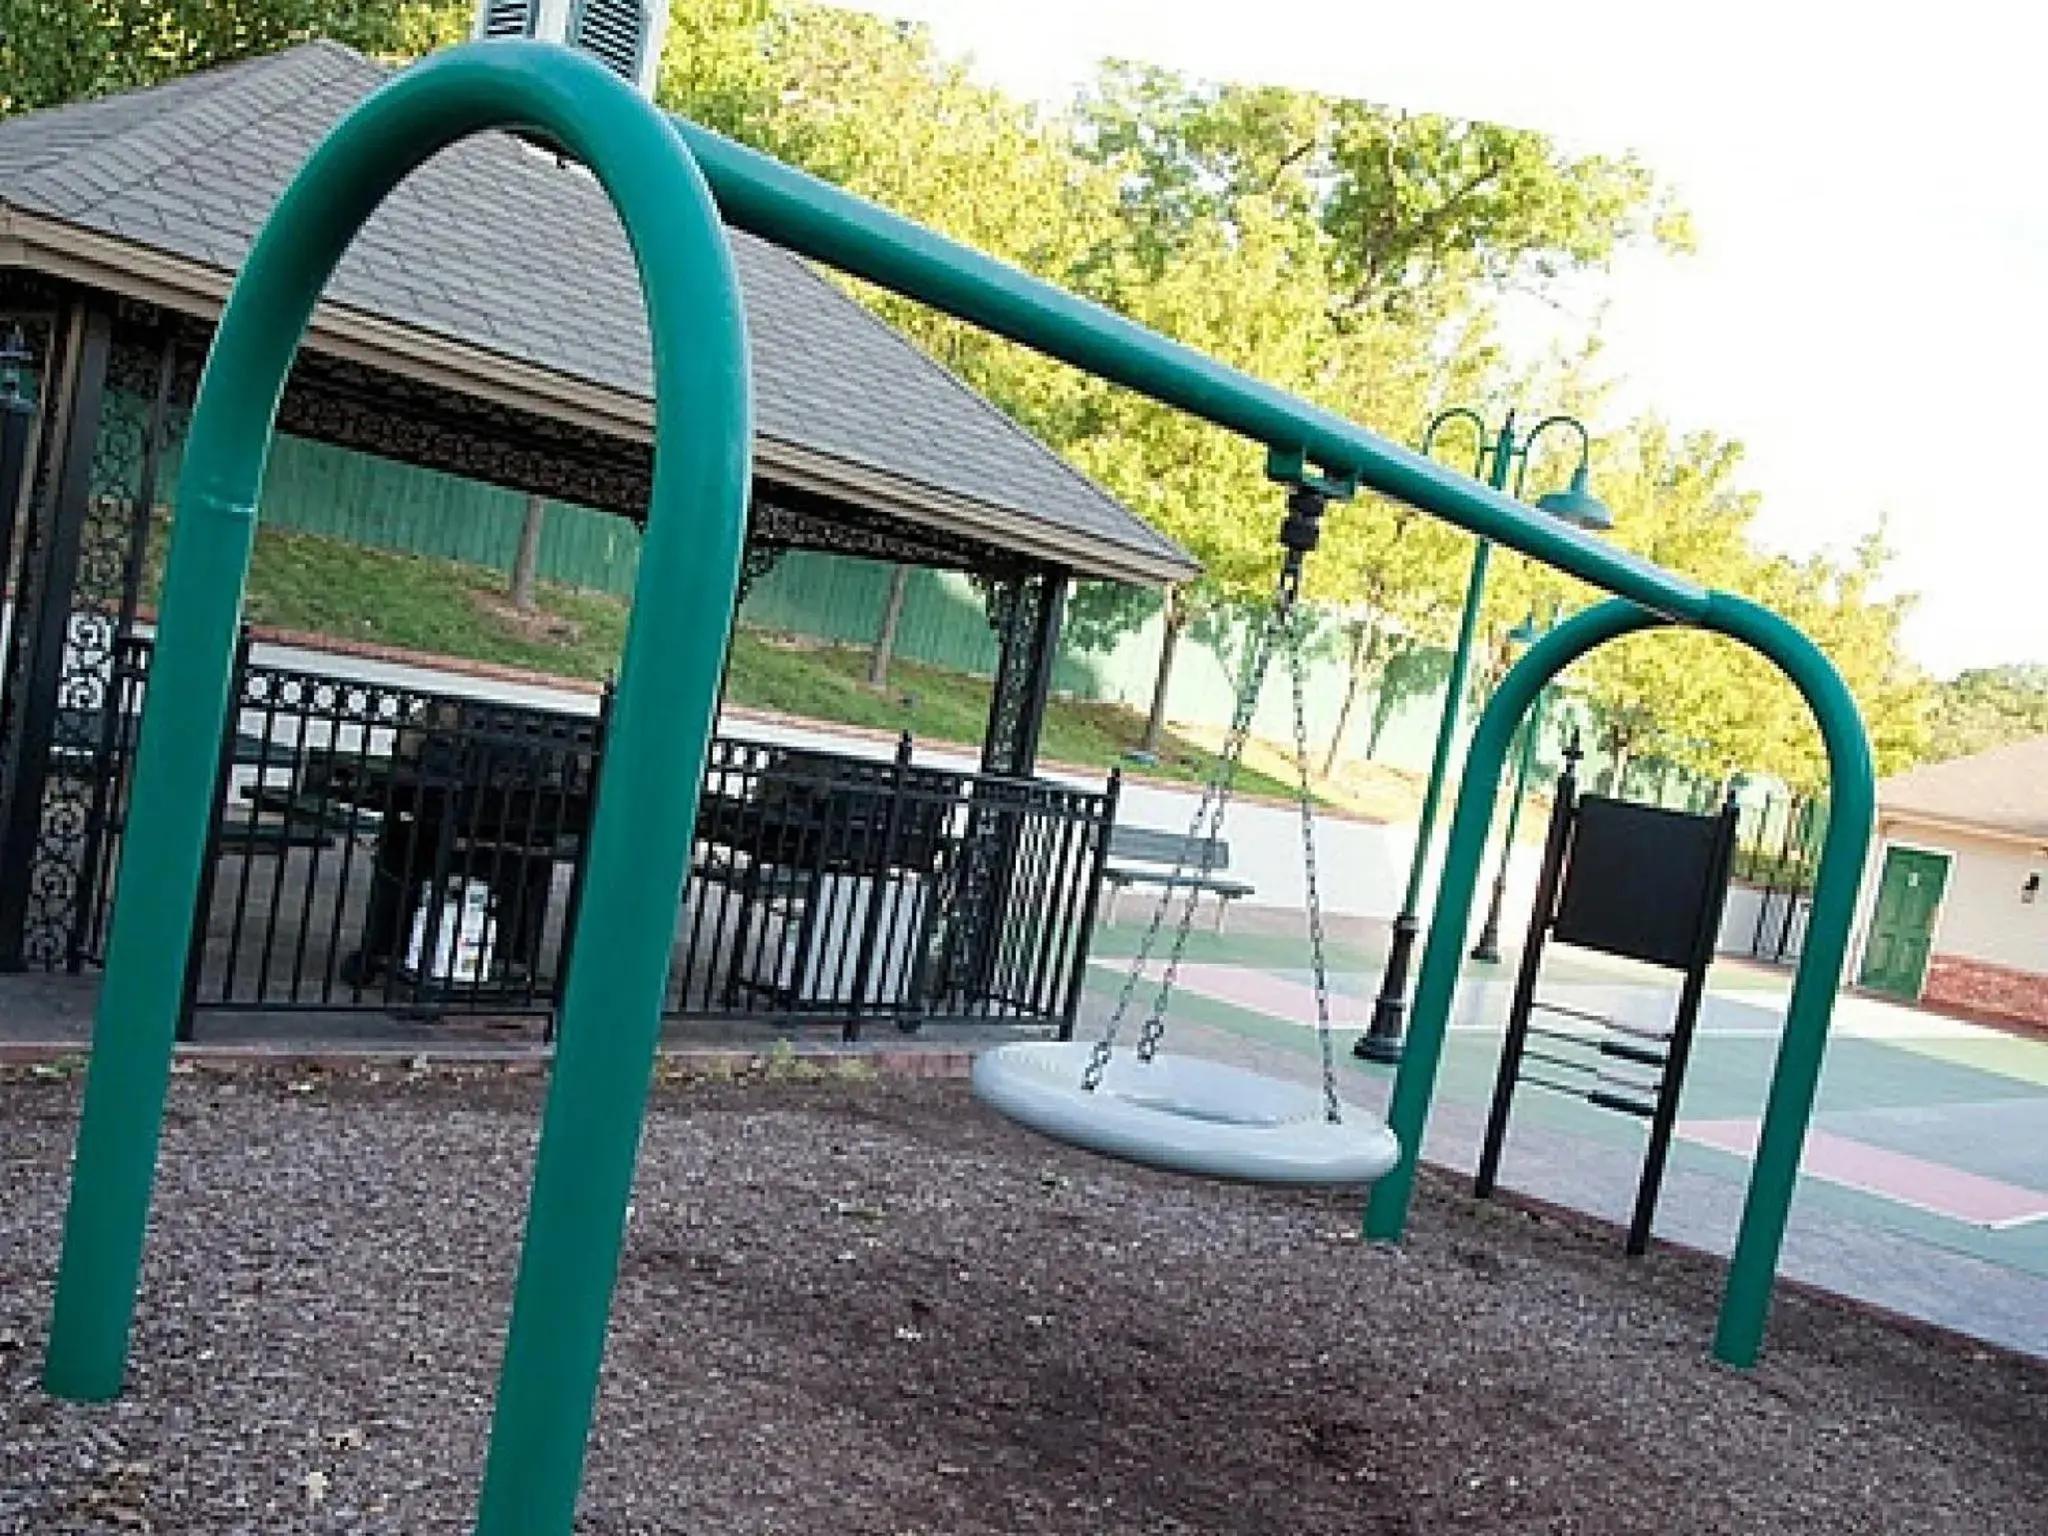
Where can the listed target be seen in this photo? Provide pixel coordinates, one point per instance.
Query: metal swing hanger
(1181, 1113)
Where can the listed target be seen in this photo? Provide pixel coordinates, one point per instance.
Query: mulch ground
(855, 1308)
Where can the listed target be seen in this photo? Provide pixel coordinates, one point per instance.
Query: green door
(1902, 927)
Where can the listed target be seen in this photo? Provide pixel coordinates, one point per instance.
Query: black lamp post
(1503, 461)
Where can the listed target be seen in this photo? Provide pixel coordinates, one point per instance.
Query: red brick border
(1979, 989)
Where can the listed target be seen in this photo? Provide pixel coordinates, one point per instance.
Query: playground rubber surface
(858, 1308)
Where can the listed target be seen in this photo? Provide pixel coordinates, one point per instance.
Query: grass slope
(322, 586)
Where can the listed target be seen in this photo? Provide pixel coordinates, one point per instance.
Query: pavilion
(487, 324)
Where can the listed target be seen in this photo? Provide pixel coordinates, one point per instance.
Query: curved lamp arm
(1459, 413)
(1529, 442)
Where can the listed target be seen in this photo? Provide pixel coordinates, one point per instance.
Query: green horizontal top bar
(816, 219)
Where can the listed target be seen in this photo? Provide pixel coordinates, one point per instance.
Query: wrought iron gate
(110, 383)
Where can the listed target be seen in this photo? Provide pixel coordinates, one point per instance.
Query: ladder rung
(1634, 1053)
(1633, 1084)
(1640, 1031)
(1571, 1013)
(1626, 1106)
(1531, 1054)
(1598, 1098)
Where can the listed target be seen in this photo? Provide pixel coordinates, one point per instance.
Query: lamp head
(1577, 505)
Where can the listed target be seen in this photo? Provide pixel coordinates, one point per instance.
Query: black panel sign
(1639, 882)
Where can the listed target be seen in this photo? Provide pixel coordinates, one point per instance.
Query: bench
(1141, 856)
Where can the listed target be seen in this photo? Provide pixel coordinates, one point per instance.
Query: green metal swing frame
(671, 182)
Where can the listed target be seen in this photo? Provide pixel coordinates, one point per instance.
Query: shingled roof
(2003, 791)
(496, 271)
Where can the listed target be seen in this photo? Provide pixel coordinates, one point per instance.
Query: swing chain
(1233, 757)
(1314, 904)
(1280, 626)
(1209, 809)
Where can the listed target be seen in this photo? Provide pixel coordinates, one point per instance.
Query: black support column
(1026, 613)
(75, 381)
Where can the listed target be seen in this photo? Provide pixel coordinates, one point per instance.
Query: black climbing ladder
(1632, 880)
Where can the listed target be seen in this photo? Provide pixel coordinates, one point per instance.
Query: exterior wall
(1984, 917)
(1990, 949)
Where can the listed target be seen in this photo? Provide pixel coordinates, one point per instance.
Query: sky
(1868, 310)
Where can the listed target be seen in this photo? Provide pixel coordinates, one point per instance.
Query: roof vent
(623, 35)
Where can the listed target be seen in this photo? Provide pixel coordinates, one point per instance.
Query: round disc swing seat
(1183, 1114)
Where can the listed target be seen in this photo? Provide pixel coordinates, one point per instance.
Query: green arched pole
(1746, 1306)
(653, 761)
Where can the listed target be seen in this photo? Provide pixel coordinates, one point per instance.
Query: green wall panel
(342, 494)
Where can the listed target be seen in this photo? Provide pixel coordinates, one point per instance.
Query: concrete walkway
(1924, 1189)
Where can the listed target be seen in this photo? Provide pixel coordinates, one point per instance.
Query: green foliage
(1989, 707)
(55, 51)
(1706, 704)
(1423, 213)
(1426, 207)
(1351, 253)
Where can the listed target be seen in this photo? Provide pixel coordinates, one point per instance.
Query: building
(486, 328)
(1955, 916)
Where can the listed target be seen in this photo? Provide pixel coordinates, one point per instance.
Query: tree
(1396, 574)
(884, 649)
(526, 562)
(1708, 705)
(1836, 604)
(1426, 209)
(1425, 213)
(1248, 293)
(1675, 501)
(1987, 707)
(54, 51)
(1193, 158)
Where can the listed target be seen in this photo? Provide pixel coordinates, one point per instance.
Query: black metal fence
(830, 885)
(1777, 856)
(387, 848)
